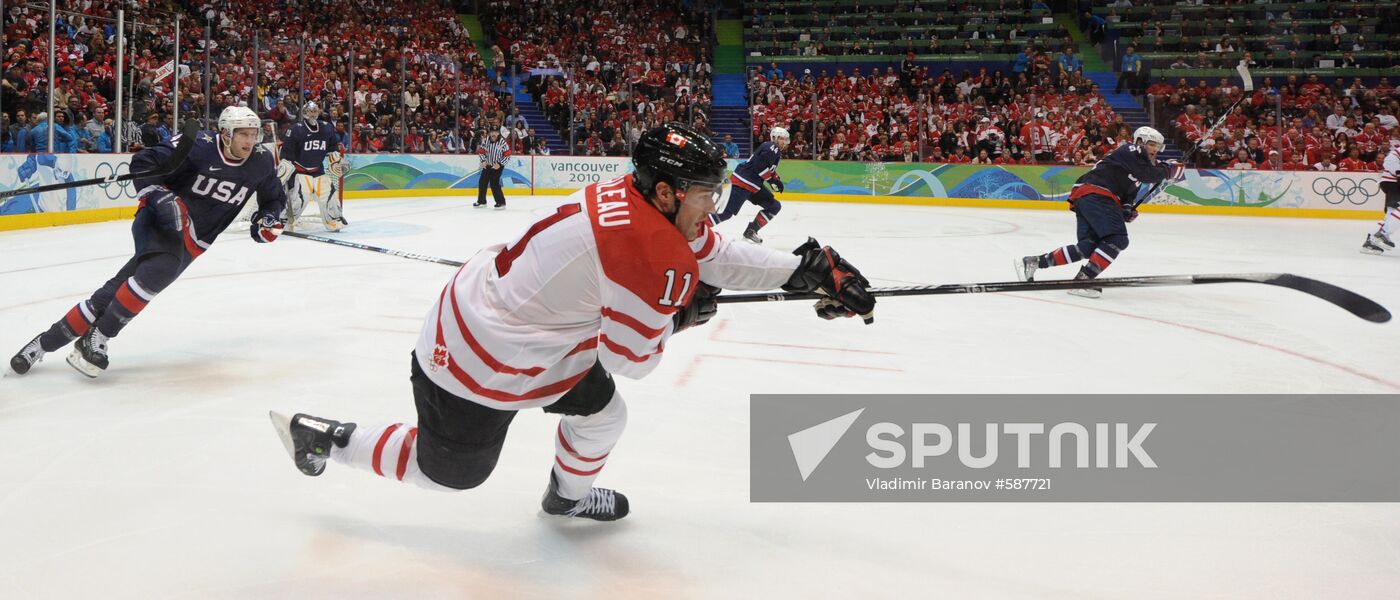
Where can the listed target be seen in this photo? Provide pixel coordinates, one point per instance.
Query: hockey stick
(398, 253)
(182, 149)
(1248, 82)
(1348, 300)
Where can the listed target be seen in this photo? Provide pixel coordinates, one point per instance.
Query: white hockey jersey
(1390, 167)
(596, 281)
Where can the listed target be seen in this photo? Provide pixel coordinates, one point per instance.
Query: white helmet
(776, 133)
(238, 117)
(309, 108)
(1148, 134)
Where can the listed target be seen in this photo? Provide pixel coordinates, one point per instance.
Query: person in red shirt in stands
(1353, 161)
(1242, 161)
(1290, 162)
(1274, 162)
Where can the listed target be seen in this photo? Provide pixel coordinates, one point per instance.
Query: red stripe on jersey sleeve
(632, 323)
(710, 242)
(626, 353)
(583, 346)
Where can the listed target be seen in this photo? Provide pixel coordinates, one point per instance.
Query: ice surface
(163, 479)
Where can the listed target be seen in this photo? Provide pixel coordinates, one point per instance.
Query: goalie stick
(182, 149)
(1345, 299)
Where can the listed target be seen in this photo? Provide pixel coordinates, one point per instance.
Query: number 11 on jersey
(671, 285)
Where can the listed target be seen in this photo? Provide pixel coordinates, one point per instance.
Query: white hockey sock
(1391, 225)
(389, 451)
(582, 444)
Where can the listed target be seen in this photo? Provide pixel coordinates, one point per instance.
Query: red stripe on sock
(129, 300)
(576, 471)
(405, 450)
(570, 449)
(1059, 256)
(379, 447)
(1100, 261)
(76, 322)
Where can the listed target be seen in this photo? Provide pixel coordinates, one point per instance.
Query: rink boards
(1204, 191)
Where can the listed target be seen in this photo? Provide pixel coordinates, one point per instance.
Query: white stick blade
(1245, 77)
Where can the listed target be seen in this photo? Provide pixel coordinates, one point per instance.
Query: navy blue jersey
(761, 166)
(307, 147)
(214, 188)
(1125, 175)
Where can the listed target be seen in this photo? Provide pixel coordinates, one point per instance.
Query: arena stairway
(1133, 112)
(534, 117)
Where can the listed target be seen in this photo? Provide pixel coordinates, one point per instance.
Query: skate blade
(75, 359)
(1372, 251)
(283, 424)
(1020, 267)
(1085, 293)
(500, 208)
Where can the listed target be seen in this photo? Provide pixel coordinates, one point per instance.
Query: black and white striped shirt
(493, 152)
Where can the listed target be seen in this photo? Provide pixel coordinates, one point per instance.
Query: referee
(493, 153)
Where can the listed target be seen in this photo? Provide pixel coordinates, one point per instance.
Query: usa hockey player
(746, 184)
(1104, 201)
(310, 145)
(179, 216)
(595, 288)
(1381, 241)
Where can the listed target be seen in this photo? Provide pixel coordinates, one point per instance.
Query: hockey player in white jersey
(1383, 240)
(595, 288)
(312, 151)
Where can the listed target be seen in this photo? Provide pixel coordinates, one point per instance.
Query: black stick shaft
(1348, 300)
(358, 246)
(182, 149)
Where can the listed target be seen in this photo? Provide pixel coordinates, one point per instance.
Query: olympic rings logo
(109, 172)
(1346, 189)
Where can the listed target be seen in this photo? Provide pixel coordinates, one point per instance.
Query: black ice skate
(500, 206)
(308, 439)
(28, 356)
(1025, 268)
(1377, 243)
(751, 234)
(600, 504)
(1085, 292)
(479, 204)
(89, 355)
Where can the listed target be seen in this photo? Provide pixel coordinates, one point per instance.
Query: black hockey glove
(700, 310)
(1130, 214)
(824, 271)
(170, 213)
(266, 227)
(777, 185)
